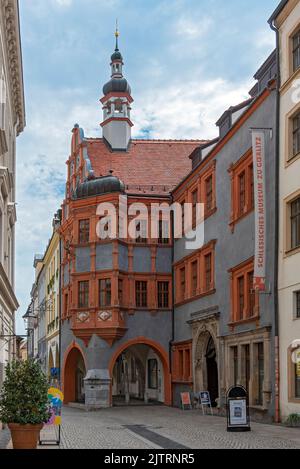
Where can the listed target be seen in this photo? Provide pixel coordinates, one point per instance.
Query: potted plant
(24, 403)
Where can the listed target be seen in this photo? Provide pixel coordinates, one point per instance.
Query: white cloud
(63, 3)
(192, 28)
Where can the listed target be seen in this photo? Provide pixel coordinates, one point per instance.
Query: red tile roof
(155, 166)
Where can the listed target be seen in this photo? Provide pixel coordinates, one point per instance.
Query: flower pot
(25, 436)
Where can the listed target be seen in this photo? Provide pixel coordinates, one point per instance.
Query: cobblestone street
(164, 428)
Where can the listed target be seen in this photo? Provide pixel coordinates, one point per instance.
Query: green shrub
(24, 395)
(293, 420)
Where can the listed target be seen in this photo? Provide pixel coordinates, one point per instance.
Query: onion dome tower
(117, 102)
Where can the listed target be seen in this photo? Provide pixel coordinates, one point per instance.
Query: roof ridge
(98, 139)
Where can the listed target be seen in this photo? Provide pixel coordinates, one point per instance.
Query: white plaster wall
(289, 266)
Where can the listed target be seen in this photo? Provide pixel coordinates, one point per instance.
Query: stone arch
(162, 355)
(72, 357)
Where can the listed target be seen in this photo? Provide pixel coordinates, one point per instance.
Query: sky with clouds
(186, 61)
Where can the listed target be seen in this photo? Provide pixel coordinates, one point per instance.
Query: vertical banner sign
(259, 168)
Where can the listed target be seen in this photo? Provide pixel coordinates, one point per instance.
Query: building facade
(224, 327)
(42, 315)
(286, 19)
(52, 300)
(12, 122)
(117, 293)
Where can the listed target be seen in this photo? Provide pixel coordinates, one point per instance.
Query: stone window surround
(251, 339)
(289, 52)
(242, 269)
(235, 170)
(288, 151)
(291, 377)
(287, 231)
(186, 263)
(182, 374)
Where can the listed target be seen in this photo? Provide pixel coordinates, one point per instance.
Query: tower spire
(117, 34)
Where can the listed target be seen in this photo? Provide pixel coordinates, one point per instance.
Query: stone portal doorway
(212, 372)
(206, 365)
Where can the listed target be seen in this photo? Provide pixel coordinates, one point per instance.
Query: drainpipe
(173, 298)
(276, 222)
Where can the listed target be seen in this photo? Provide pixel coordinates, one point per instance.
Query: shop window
(260, 358)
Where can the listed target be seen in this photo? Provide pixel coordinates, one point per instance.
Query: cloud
(192, 28)
(63, 3)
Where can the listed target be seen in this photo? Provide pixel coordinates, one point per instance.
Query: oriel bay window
(244, 298)
(83, 294)
(84, 231)
(163, 294)
(120, 291)
(141, 299)
(105, 292)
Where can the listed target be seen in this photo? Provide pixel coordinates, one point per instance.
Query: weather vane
(117, 34)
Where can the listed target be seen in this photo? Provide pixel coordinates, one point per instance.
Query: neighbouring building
(22, 350)
(12, 122)
(42, 314)
(51, 263)
(117, 294)
(223, 331)
(286, 19)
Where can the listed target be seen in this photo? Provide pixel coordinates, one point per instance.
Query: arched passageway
(140, 374)
(73, 377)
